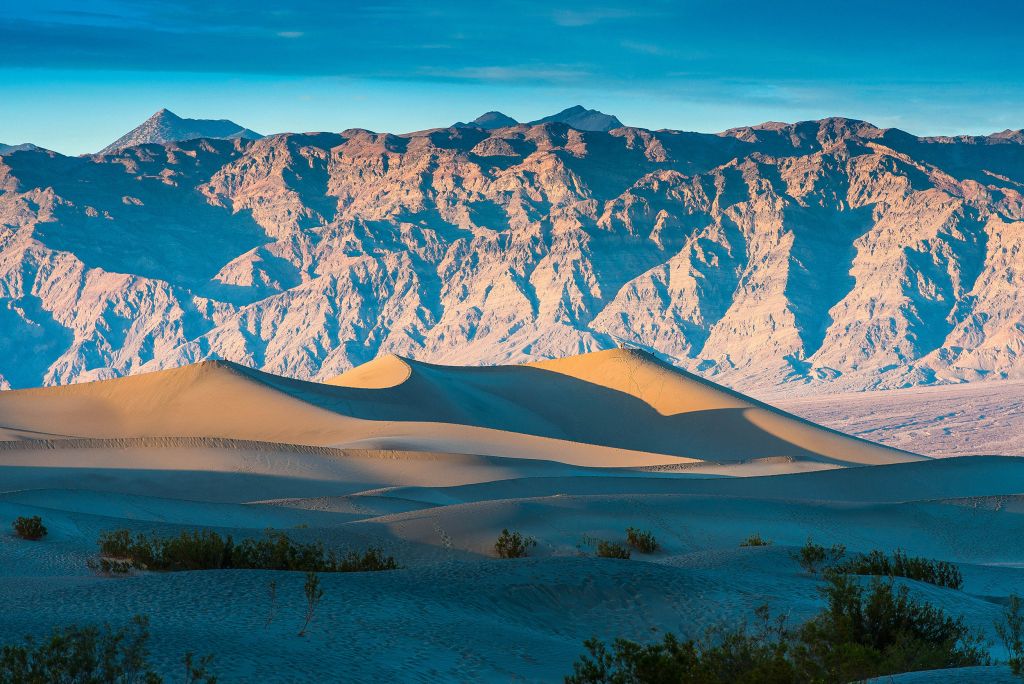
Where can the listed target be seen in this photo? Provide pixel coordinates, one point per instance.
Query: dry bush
(607, 549)
(641, 540)
(31, 529)
(513, 545)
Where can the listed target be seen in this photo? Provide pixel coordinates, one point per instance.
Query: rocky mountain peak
(488, 121)
(583, 119)
(165, 126)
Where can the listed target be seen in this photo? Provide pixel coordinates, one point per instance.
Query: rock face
(165, 126)
(825, 254)
(582, 119)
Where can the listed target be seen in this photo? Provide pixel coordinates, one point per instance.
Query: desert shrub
(92, 654)
(814, 557)
(862, 632)
(313, 593)
(877, 630)
(641, 540)
(939, 573)
(207, 550)
(32, 528)
(607, 549)
(755, 540)
(109, 566)
(513, 545)
(370, 560)
(272, 589)
(722, 657)
(1011, 633)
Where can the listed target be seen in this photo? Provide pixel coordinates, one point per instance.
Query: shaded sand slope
(615, 408)
(204, 469)
(940, 479)
(618, 398)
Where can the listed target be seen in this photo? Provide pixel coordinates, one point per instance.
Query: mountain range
(577, 117)
(820, 255)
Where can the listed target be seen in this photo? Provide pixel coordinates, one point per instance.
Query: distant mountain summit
(8, 149)
(489, 121)
(583, 119)
(578, 117)
(166, 126)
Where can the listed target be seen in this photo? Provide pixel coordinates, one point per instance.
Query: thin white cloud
(290, 34)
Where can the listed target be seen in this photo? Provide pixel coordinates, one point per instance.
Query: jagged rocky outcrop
(165, 126)
(825, 254)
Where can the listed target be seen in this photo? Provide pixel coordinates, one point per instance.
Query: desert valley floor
(432, 462)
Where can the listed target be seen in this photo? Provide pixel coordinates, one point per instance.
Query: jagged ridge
(832, 254)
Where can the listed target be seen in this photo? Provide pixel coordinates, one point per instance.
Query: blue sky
(76, 75)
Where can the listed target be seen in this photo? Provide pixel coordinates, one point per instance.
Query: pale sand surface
(946, 420)
(567, 451)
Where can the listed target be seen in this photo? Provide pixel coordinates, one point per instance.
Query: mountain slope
(821, 255)
(166, 126)
(8, 149)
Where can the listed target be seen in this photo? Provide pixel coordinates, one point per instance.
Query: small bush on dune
(207, 550)
(313, 595)
(31, 529)
(92, 654)
(815, 557)
(110, 566)
(877, 630)
(513, 545)
(641, 540)
(606, 549)
(1011, 633)
(755, 540)
(371, 560)
(939, 573)
(863, 632)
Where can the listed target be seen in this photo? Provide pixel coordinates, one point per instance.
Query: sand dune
(615, 408)
(430, 463)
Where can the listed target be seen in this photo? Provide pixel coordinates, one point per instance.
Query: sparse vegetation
(863, 632)
(87, 655)
(207, 550)
(755, 540)
(1011, 633)
(513, 545)
(641, 540)
(109, 566)
(313, 593)
(31, 529)
(272, 587)
(939, 573)
(814, 557)
(607, 549)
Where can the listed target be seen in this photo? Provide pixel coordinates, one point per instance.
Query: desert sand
(431, 463)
